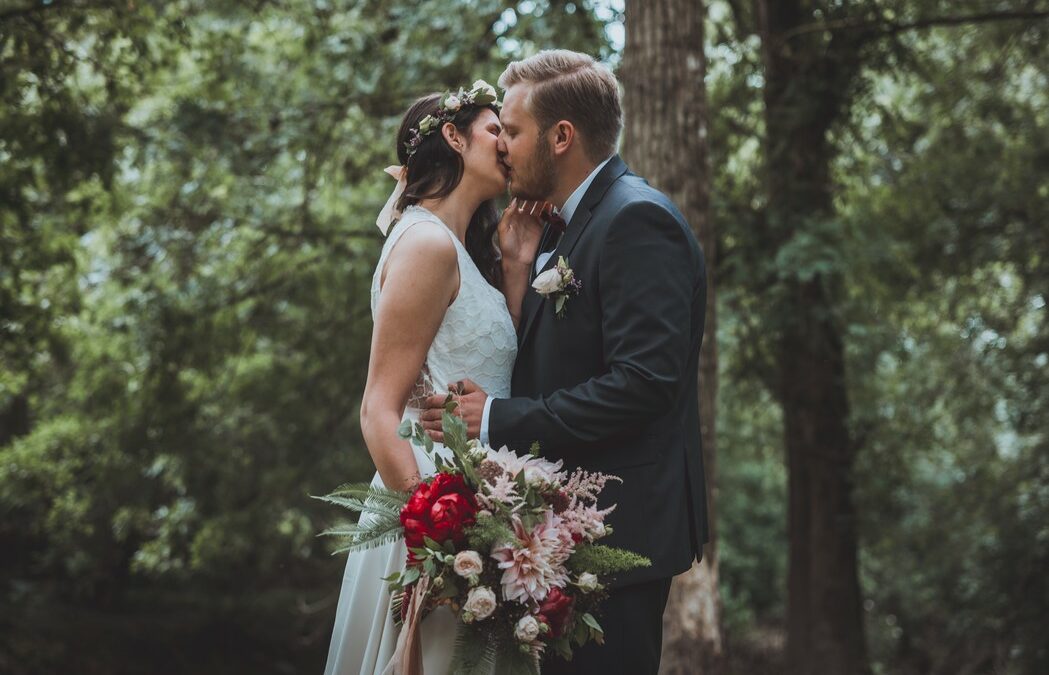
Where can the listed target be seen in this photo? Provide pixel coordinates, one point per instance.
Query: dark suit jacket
(612, 385)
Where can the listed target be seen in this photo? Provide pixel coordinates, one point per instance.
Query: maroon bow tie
(557, 223)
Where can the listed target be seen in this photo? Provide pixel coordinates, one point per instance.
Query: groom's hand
(470, 400)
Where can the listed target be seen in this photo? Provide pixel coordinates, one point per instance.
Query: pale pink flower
(534, 563)
(480, 603)
(536, 469)
(502, 491)
(587, 522)
(586, 486)
(468, 564)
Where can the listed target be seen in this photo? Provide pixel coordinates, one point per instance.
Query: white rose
(467, 564)
(548, 282)
(527, 629)
(480, 602)
(452, 102)
(484, 87)
(588, 582)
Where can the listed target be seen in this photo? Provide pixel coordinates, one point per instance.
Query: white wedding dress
(476, 340)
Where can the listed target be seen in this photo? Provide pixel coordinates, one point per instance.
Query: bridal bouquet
(508, 543)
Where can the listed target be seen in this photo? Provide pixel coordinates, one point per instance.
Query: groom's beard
(538, 184)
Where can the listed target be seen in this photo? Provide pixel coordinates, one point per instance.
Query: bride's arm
(420, 280)
(515, 285)
(520, 229)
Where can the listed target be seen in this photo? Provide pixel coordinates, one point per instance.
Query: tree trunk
(665, 140)
(808, 79)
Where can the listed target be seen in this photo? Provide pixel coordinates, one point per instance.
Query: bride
(445, 304)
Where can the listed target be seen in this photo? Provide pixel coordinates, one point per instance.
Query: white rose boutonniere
(559, 283)
(548, 282)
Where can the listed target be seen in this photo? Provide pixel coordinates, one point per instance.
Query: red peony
(555, 611)
(440, 510)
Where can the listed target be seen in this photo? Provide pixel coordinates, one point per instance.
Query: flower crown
(481, 93)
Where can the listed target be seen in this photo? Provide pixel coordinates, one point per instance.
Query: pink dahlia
(535, 562)
(536, 469)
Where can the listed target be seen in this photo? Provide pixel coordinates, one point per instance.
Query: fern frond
(364, 526)
(361, 537)
(363, 491)
(510, 660)
(474, 652)
(365, 506)
(371, 542)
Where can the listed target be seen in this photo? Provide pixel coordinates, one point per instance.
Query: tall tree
(807, 82)
(812, 57)
(665, 140)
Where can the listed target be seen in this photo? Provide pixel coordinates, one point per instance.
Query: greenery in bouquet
(506, 542)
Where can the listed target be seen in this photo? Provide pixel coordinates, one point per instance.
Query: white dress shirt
(566, 212)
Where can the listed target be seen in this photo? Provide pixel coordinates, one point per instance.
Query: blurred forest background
(187, 200)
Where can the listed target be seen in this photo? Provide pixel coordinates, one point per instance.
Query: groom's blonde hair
(574, 87)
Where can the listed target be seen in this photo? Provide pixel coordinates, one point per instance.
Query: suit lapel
(533, 302)
(542, 243)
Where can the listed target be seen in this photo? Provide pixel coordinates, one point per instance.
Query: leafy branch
(887, 27)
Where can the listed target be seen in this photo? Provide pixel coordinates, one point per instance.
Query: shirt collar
(572, 203)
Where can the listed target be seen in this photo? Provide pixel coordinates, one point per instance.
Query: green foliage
(951, 470)
(752, 502)
(187, 202)
(474, 652)
(513, 659)
(936, 236)
(379, 522)
(601, 560)
(187, 193)
(367, 498)
(488, 531)
(188, 196)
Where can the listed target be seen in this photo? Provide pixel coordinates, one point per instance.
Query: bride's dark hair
(435, 169)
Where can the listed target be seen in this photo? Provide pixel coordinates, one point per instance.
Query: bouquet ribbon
(408, 657)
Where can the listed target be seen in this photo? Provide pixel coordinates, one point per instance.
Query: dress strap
(413, 216)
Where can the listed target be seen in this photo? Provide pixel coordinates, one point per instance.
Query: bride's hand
(520, 229)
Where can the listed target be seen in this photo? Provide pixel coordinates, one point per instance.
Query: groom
(610, 383)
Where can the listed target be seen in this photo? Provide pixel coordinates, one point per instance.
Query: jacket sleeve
(647, 275)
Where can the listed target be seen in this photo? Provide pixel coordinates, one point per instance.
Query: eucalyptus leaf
(410, 576)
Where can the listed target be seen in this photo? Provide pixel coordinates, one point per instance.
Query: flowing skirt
(365, 636)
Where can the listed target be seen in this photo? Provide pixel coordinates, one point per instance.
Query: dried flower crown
(480, 94)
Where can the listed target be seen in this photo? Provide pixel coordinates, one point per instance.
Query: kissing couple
(573, 319)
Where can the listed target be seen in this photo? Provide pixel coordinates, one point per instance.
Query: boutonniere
(558, 282)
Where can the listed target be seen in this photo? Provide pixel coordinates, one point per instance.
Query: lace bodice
(476, 339)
